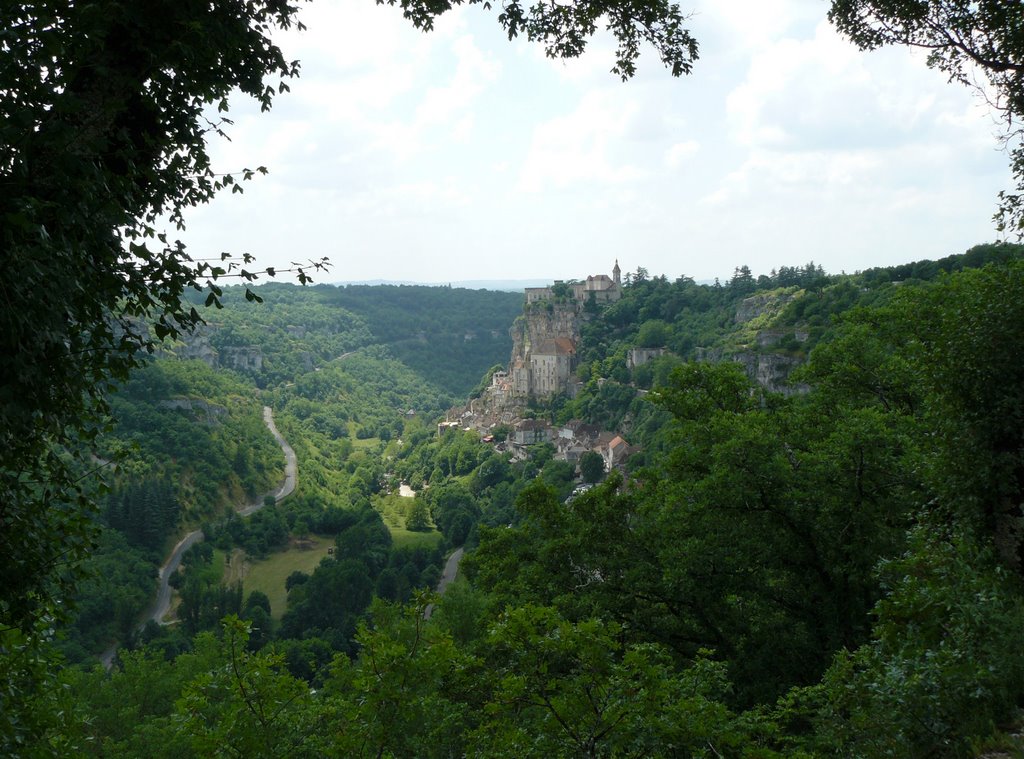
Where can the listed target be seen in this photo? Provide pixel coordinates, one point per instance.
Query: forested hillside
(444, 335)
(833, 571)
(768, 325)
(188, 446)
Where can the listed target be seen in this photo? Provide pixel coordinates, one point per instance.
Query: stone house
(569, 450)
(576, 429)
(532, 431)
(601, 287)
(551, 363)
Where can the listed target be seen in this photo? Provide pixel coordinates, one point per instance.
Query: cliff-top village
(543, 365)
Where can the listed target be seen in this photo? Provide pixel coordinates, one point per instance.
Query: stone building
(600, 287)
(603, 288)
(551, 364)
(614, 452)
(532, 431)
(640, 356)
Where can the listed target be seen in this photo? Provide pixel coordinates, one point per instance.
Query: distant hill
(450, 336)
(502, 285)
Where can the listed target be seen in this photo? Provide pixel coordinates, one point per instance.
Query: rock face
(201, 411)
(768, 337)
(766, 368)
(544, 341)
(770, 370)
(197, 346)
(763, 303)
(543, 322)
(247, 358)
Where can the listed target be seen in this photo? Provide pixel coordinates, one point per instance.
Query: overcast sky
(456, 155)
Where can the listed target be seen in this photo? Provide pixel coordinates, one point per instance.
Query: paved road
(163, 597)
(451, 568)
(291, 467)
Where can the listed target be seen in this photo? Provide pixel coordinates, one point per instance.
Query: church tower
(617, 273)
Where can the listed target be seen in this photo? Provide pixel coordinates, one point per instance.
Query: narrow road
(162, 604)
(291, 466)
(163, 597)
(451, 568)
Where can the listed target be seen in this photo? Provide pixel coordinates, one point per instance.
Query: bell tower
(617, 274)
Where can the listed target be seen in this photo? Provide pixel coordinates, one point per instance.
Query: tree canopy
(103, 128)
(105, 112)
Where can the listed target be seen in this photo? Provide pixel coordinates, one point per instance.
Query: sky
(457, 155)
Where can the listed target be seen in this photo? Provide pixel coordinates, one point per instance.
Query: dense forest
(443, 334)
(829, 570)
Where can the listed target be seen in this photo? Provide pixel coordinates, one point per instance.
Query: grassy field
(357, 444)
(403, 537)
(268, 575)
(394, 510)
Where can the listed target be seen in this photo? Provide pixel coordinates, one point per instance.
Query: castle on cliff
(545, 337)
(600, 287)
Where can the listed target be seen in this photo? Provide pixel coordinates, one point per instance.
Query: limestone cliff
(197, 345)
(770, 370)
(759, 327)
(544, 341)
(536, 325)
(764, 306)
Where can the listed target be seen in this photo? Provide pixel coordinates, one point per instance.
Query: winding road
(162, 604)
(291, 467)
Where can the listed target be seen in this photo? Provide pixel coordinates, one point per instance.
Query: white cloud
(731, 28)
(407, 201)
(398, 149)
(474, 71)
(580, 147)
(822, 93)
(677, 154)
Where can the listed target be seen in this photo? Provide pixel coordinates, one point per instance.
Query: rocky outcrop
(770, 370)
(202, 411)
(768, 303)
(544, 341)
(197, 345)
(246, 358)
(544, 322)
(769, 337)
